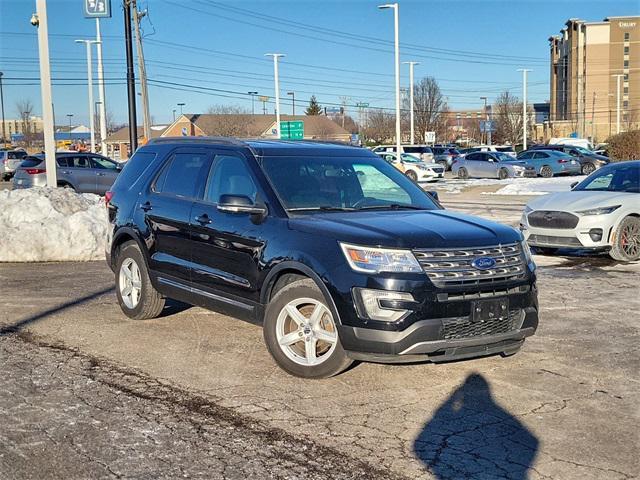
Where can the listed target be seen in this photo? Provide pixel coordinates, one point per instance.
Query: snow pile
(457, 185)
(537, 186)
(51, 224)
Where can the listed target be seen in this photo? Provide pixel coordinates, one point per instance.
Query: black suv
(333, 250)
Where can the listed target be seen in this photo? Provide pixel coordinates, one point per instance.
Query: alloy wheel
(630, 240)
(306, 331)
(130, 283)
(588, 168)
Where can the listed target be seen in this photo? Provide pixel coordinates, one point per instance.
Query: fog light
(595, 234)
(382, 305)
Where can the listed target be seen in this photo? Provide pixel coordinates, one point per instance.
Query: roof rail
(219, 140)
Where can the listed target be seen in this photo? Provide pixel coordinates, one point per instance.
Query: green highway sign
(292, 130)
(362, 105)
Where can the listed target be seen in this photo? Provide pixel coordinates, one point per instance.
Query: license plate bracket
(486, 310)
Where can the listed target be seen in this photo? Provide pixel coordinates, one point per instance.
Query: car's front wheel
(462, 173)
(301, 332)
(412, 175)
(588, 168)
(626, 245)
(546, 171)
(137, 297)
(503, 174)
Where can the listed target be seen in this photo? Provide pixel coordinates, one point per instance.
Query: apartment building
(587, 60)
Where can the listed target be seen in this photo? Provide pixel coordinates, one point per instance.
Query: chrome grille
(464, 328)
(453, 267)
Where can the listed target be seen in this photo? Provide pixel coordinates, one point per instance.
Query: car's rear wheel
(503, 174)
(546, 171)
(462, 173)
(137, 297)
(626, 245)
(588, 168)
(412, 175)
(301, 333)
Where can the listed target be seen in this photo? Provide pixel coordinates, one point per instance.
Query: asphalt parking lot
(87, 393)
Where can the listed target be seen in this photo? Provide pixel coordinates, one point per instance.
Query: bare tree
(232, 121)
(380, 126)
(430, 108)
(346, 122)
(507, 112)
(25, 108)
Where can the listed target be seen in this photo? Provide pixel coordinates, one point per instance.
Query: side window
(78, 161)
(540, 155)
(229, 175)
(180, 175)
(526, 156)
(473, 156)
(100, 162)
(62, 161)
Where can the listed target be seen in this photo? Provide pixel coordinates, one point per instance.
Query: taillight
(563, 160)
(107, 198)
(34, 171)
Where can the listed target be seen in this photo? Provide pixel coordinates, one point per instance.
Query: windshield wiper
(322, 208)
(393, 206)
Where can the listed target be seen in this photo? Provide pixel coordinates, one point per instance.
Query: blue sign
(573, 135)
(487, 126)
(97, 8)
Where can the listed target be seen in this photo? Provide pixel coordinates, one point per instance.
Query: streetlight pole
(4, 134)
(293, 100)
(618, 77)
(181, 105)
(39, 19)
(101, 92)
(394, 6)
(277, 88)
(88, 44)
(131, 79)
(411, 105)
(253, 98)
(97, 121)
(524, 107)
(174, 115)
(69, 115)
(484, 130)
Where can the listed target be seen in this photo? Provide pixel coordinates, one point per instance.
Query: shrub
(624, 146)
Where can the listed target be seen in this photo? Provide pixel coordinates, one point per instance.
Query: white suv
(421, 152)
(413, 168)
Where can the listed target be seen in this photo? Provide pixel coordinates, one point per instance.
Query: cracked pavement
(87, 393)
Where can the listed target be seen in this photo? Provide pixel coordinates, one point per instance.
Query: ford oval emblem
(484, 263)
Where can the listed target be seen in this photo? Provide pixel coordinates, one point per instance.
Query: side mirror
(119, 166)
(573, 185)
(433, 195)
(240, 204)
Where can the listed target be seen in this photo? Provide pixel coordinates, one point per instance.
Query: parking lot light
(394, 6)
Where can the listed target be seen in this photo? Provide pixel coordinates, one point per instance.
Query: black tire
(546, 250)
(546, 171)
(462, 173)
(626, 245)
(412, 175)
(503, 174)
(588, 168)
(336, 360)
(150, 303)
(67, 186)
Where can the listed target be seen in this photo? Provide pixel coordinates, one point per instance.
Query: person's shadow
(470, 436)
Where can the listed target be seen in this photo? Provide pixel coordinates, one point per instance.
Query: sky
(205, 53)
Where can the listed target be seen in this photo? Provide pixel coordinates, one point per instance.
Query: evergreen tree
(314, 107)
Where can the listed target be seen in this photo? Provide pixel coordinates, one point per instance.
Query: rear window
(415, 149)
(30, 162)
(16, 155)
(505, 149)
(134, 168)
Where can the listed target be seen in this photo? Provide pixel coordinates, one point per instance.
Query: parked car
(339, 255)
(490, 165)
(82, 172)
(580, 142)
(548, 163)
(589, 160)
(9, 161)
(600, 213)
(508, 149)
(421, 152)
(415, 169)
(444, 155)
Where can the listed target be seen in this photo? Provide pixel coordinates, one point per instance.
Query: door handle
(203, 219)
(67, 172)
(146, 206)
(101, 174)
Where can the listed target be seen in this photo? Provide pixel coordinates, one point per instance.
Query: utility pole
(253, 98)
(146, 117)
(39, 20)
(411, 104)
(88, 44)
(4, 134)
(131, 80)
(293, 102)
(264, 99)
(484, 130)
(174, 115)
(344, 100)
(277, 88)
(101, 92)
(618, 77)
(524, 107)
(593, 113)
(394, 6)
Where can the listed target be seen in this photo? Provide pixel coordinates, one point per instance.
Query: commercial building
(585, 60)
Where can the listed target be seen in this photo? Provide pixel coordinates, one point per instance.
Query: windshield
(621, 178)
(503, 157)
(583, 150)
(410, 158)
(334, 183)
(505, 149)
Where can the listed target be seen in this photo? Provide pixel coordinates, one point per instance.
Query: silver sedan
(490, 165)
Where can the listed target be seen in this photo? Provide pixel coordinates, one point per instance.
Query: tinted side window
(180, 176)
(79, 161)
(63, 161)
(526, 156)
(229, 176)
(101, 162)
(541, 155)
(474, 157)
(134, 167)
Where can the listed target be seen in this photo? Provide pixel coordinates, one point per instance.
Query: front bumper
(578, 237)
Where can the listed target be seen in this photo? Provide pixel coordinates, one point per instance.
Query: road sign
(292, 130)
(263, 98)
(487, 126)
(430, 137)
(362, 105)
(97, 8)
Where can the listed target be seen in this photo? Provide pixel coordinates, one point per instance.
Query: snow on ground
(537, 186)
(456, 185)
(51, 224)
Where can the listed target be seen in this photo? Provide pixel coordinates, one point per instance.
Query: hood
(407, 229)
(579, 200)
(597, 156)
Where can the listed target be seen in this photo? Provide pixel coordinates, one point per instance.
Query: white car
(508, 149)
(600, 213)
(421, 152)
(413, 168)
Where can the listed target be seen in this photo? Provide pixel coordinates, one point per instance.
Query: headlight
(518, 168)
(376, 260)
(599, 210)
(423, 167)
(527, 209)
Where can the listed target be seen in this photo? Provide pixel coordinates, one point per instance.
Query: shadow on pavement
(15, 327)
(470, 436)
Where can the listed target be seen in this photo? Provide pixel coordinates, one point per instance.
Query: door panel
(78, 174)
(473, 163)
(105, 172)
